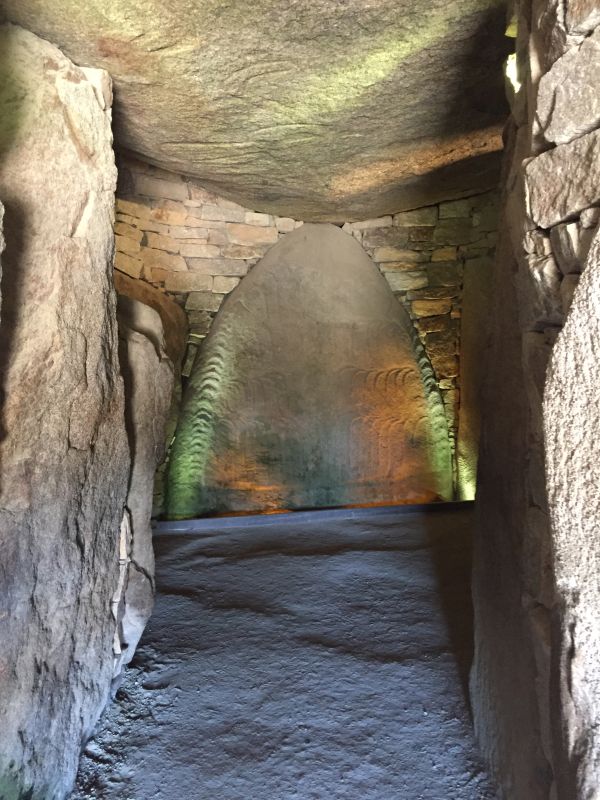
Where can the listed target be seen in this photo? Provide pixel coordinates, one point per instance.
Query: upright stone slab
(474, 339)
(64, 455)
(148, 375)
(311, 391)
(573, 477)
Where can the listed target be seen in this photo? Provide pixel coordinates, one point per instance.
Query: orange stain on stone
(422, 159)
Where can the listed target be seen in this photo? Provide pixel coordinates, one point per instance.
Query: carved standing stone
(311, 390)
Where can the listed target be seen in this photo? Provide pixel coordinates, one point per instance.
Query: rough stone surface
(582, 16)
(311, 390)
(564, 181)
(321, 111)
(173, 318)
(148, 377)
(2, 246)
(328, 659)
(65, 458)
(573, 475)
(504, 674)
(535, 686)
(474, 335)
(568, 103)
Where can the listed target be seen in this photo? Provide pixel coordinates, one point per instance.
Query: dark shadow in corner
(11, 298)
(13, 226)
(452, 555)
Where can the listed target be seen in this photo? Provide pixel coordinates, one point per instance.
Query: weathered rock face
(64, 453)
(312, 389)
(172, 316)
(148, 375)
(535, 683)
(322, 110)
(2, 245)
(573, 472)
(175, 330)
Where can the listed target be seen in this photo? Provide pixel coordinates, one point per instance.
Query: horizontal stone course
(193, 249)
(455, 208)
(420, 216)
(385, 237)
(218, 266)
(254, 218)
(403, 281)
(203, 301)
(188, 282)
(159, 258)
(452, 231)
(251, 235)
(219, 214)
(444, 273)
(431, 308)
(128, 264)
(128, 231)
(157, 187)
(445, 254)
(224, 285)
(285, 224)
(382, 254)
(124, 244)
(160, 241)
(189, 232)
(366, 224)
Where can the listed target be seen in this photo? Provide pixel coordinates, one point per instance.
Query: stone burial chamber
(312, 389)
(277, 257)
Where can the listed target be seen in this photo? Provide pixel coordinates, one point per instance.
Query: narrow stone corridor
(300, 657)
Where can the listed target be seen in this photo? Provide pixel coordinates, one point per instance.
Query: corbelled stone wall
(536, 684)
(196, 247)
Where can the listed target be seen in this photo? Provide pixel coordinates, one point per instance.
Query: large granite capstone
(322, 110)
(311, 390)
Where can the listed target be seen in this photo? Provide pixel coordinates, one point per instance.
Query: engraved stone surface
(324, 110)
(311, 390)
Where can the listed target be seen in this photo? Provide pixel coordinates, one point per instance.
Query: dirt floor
(311, 656)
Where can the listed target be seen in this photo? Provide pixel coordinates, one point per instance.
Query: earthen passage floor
(316, 655)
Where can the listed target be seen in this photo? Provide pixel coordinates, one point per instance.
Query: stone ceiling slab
(325, 109)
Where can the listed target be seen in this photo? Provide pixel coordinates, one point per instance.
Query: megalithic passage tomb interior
(299, 400)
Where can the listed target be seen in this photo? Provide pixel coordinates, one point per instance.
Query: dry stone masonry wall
(537, 552)
(424, 255)
(196, 247)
